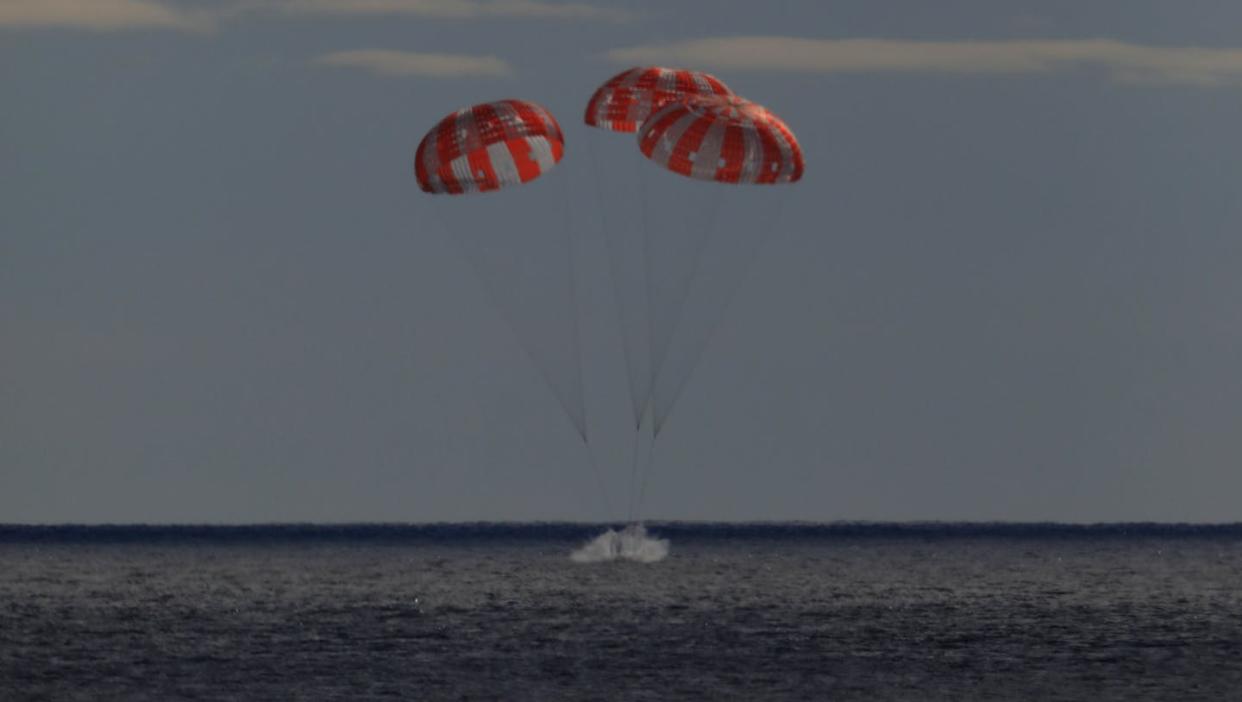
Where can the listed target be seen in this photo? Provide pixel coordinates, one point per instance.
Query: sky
(1007, 287)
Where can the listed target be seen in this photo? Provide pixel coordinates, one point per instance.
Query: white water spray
(631, 543)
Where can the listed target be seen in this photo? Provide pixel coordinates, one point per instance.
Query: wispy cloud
(406, 63)
(1124, 61)
(115, 15)
(445, 9)
(99, 15)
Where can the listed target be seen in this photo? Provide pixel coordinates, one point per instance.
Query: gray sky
(1007, 288)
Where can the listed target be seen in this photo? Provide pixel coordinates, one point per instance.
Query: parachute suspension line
(698, 247)
(493, 295)
(574, 311)
(714, 325)
(649, 292)
(630, 492)
(642, 488)
(599, 481)
(635, 505)
(614, 264)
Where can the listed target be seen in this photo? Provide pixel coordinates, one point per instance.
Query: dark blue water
(500, 612)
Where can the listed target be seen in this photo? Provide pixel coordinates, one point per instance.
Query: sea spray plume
(631, 543)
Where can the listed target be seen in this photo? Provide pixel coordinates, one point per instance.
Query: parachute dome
(489, 146)
(722, 138)
(628, 98)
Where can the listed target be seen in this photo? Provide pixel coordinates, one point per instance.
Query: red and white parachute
(722, 138)
(488, 146)
(627, 99)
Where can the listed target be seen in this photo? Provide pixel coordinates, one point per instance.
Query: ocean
(687, 612)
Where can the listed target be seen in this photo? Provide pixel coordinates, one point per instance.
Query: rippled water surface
(840, 612)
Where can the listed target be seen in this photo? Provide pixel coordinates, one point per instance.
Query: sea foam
(631, 543)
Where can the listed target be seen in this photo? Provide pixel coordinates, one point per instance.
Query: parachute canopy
(489, 146)
(722, 138)
(628, 98)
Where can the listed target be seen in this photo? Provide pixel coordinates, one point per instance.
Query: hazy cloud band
(115, 15)
(406, 63)
(98, 15)
(1127, 62)
(445, 9)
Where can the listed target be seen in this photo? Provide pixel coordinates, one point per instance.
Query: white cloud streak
(98, 15)
(404, 63)
(443, 9)
(1124, 61)
(117, 15)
